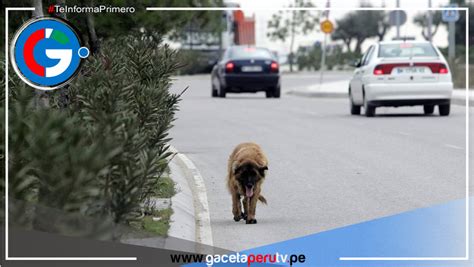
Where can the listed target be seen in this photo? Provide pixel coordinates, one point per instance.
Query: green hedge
(102, 156)
(309, 58)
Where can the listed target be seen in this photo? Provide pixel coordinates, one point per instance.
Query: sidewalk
(340, 90)
(190, 223)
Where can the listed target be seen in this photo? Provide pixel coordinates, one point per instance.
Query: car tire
(213, 91)
(222, 91)
(428, 109)
(277, 92)
(269, 93)
(355, 109)
(369, 109)
(444, 109)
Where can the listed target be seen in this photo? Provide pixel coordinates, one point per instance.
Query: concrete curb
(182, 222)
(203, 233)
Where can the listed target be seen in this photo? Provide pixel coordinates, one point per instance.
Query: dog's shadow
(262, 220)
(230, 221)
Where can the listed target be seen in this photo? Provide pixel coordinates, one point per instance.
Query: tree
(153, 22)
(421, 20)
(382, 23)
(460, 25)
(96, 27)
(38, 5)
(344, 31)
(360, 25)
(281, 26)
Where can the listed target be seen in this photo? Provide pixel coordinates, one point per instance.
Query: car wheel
(213, 91)
(369, 109)
(444, 109)
(355, 109)
(428, 109)
(269, 93)
(277, 92)
(222, 91)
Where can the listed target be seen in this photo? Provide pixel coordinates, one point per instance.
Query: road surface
(327, 168)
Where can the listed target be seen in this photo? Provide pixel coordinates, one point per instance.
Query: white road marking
(454, 147)
(405, 133)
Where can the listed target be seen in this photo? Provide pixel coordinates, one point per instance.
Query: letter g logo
(46, 53)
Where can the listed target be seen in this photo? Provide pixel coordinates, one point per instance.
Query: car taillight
(229, 67)
(274, 67)
(378, 71)
(383, 69)
(435, 67)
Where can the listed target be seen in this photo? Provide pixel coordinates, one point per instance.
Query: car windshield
(249, 52)
(407, 50)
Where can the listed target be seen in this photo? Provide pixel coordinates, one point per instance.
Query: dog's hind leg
(236, 207)
(252, 203)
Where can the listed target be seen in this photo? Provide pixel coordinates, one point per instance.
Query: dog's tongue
(249, 191)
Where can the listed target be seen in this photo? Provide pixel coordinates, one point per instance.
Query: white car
(401, 73)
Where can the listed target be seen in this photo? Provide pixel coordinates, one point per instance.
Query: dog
(247, 169)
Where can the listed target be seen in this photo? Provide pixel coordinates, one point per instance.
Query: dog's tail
(262, 199)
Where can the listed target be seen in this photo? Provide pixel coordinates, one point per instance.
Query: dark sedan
(246, 69)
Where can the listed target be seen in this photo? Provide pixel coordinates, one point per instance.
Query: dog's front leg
(246, 208)
(252, 203)
(236, 207)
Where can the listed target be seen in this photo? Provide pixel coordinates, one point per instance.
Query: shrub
(137, 111)
(309, 58)
(103, 154)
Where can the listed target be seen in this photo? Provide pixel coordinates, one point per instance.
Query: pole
(323, 60)
(323, 47)
(430, 22)
(397, 19)
(452, 41)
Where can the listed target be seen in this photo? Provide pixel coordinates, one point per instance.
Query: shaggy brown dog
(246, 171)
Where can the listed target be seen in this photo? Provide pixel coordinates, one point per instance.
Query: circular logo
(46, 53)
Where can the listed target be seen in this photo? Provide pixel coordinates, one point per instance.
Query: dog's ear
(235, 168)
(262, 170)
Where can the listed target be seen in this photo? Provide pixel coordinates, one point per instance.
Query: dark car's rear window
(407, 50)
(249, 52)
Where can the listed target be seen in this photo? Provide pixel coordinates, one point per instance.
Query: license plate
(251, 68)
(410, 70)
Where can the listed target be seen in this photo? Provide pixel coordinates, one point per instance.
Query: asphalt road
(327, 168)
